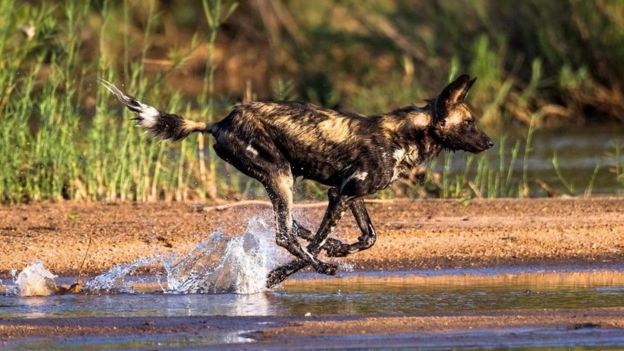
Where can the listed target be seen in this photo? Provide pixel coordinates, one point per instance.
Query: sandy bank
(411, 234)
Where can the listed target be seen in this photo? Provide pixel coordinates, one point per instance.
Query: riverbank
(426, 234)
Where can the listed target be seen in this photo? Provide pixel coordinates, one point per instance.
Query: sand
(411, 233)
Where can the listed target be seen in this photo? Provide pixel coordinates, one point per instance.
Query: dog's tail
(160, 124)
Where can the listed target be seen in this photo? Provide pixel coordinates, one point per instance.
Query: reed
(63, 138)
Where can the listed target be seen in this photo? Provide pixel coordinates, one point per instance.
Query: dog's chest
(404, 160)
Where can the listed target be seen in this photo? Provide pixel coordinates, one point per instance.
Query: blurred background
(550, 89)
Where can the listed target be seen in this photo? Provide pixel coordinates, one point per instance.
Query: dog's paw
(326, 268)
(338, 250)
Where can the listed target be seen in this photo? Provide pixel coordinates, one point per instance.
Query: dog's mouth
(472, 147)
(482, 146)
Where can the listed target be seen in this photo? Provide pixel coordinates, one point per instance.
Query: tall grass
(51, 150)
(216, 12)
(61, 137)
(618, 161)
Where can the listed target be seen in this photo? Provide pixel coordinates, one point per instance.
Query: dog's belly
(333, 164)
(321, 171)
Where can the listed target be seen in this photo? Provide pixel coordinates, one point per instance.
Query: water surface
(352, 294)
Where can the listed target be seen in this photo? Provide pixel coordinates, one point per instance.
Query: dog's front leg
(331, 244)
(365, 241)
(335, 209)
(338, 204)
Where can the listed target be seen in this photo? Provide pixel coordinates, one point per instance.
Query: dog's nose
(490, 144)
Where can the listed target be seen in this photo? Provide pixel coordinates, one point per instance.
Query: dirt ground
(411, 233)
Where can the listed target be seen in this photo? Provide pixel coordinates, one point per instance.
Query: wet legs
(280, 193)
(336, 248)
(335, 209)
(333, 247)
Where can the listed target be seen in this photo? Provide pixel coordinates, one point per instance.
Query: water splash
(346, 267)
(34, 280)
(223, 264)
(219, 264)
(116, 278)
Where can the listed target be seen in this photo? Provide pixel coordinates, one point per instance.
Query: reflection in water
(136, 305)
(354, 294)
(132, 342)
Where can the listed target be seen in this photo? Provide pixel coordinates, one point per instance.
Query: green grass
(63, 137)
(55, 151)
(481, 177)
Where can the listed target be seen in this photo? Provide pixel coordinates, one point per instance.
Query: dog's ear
(454, 93)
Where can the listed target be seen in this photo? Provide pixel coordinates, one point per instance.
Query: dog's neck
(411, 127)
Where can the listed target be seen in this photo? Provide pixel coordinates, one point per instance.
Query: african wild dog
(355, 155)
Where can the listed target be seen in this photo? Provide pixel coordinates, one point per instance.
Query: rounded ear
(453, 93)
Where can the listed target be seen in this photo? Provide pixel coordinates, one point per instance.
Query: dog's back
(308, 124)
(318, 143)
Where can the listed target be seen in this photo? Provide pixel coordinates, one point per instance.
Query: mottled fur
(355, 155)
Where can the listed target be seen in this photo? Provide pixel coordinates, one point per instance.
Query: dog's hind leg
(279, 189)
(263, 161)
(337, 205)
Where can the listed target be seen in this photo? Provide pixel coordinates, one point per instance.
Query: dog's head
(453, 123)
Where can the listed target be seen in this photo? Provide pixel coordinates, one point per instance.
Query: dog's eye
(468, 122)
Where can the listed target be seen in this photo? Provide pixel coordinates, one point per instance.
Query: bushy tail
(160, 124)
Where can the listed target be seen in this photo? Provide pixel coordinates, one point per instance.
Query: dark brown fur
(355, 155)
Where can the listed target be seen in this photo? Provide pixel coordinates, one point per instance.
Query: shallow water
(133, 342)
(351, 294)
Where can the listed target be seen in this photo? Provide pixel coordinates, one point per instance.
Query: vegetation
(539, 64)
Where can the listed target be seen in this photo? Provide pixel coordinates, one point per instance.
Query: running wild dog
(355, 155)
